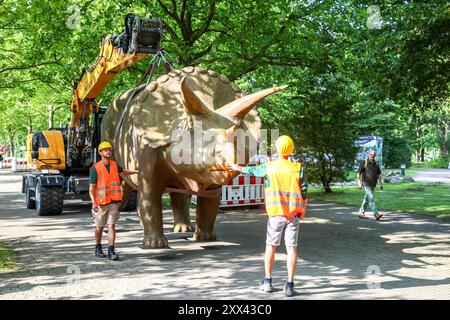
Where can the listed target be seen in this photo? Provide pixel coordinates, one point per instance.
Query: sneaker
(378, 216)
(112, 254)
(289, 289)
(362, 216)
(266, 285)
(99, 252)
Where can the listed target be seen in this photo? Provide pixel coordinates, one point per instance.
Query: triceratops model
(159, 129)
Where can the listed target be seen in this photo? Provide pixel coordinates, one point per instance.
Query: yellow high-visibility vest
(284, 196)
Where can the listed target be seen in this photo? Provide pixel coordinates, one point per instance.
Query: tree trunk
(30, 125)
(447, 138)
(418, 137)
(443, 132)
(11, 130)
(51, 113)
(326, 186)
(422, 154)
(11, 145)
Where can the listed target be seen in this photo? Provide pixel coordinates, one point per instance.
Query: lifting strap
(366, 162)
(151, 69)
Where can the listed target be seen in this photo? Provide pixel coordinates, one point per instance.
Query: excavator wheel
(49, 200)
(29, 203)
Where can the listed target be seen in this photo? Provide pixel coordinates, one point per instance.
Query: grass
(166, 201)
(7, 258)
(422, 198)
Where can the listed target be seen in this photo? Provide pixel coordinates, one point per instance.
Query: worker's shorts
(107, 214)
(275, 227)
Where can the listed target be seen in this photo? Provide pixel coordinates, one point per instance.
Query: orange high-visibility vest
(108, 187)
(284, 196)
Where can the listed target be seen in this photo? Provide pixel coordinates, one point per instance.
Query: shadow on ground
(340, 257)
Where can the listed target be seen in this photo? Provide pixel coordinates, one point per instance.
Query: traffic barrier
(243, 190)
(6, 163)
(19, 165)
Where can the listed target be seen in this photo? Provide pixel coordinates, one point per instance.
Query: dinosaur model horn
(192, 103)
(240, 107)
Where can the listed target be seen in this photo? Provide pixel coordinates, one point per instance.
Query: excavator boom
(118, 52)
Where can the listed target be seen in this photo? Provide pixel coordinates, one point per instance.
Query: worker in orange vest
(285, 200)
(106, 195)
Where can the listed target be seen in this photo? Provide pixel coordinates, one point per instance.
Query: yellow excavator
(60, 158)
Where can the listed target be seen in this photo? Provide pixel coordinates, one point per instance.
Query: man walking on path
(106, 195)
(368, 174)
(285, 200)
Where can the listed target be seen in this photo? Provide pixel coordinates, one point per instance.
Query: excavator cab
(45, 150)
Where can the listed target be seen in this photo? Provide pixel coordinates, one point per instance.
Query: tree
(52, 41)
(320, 119)
(403, 63)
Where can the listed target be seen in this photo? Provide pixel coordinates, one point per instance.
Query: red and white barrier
(19, 165)
(243, 190)
(6, 163)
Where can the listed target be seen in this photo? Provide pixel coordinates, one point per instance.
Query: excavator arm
(118, 52)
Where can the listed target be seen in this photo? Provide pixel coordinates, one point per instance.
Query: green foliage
(324, 129)
(396, 150)
(441, 163)
(384, 119)
(53, 41)
(410, 51)
(407, 62)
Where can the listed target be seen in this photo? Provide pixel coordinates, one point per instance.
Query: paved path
(431, 175)
(408, 257)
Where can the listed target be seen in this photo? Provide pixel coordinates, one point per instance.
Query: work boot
(99, 252)
(266, 285)
(112, 254)
(289, 289)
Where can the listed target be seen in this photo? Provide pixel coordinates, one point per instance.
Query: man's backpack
(367, 161)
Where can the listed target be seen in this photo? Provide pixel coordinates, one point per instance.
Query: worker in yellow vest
(106, 195)
(285, 200)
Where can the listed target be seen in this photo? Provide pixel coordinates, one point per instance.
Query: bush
(441, 163)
